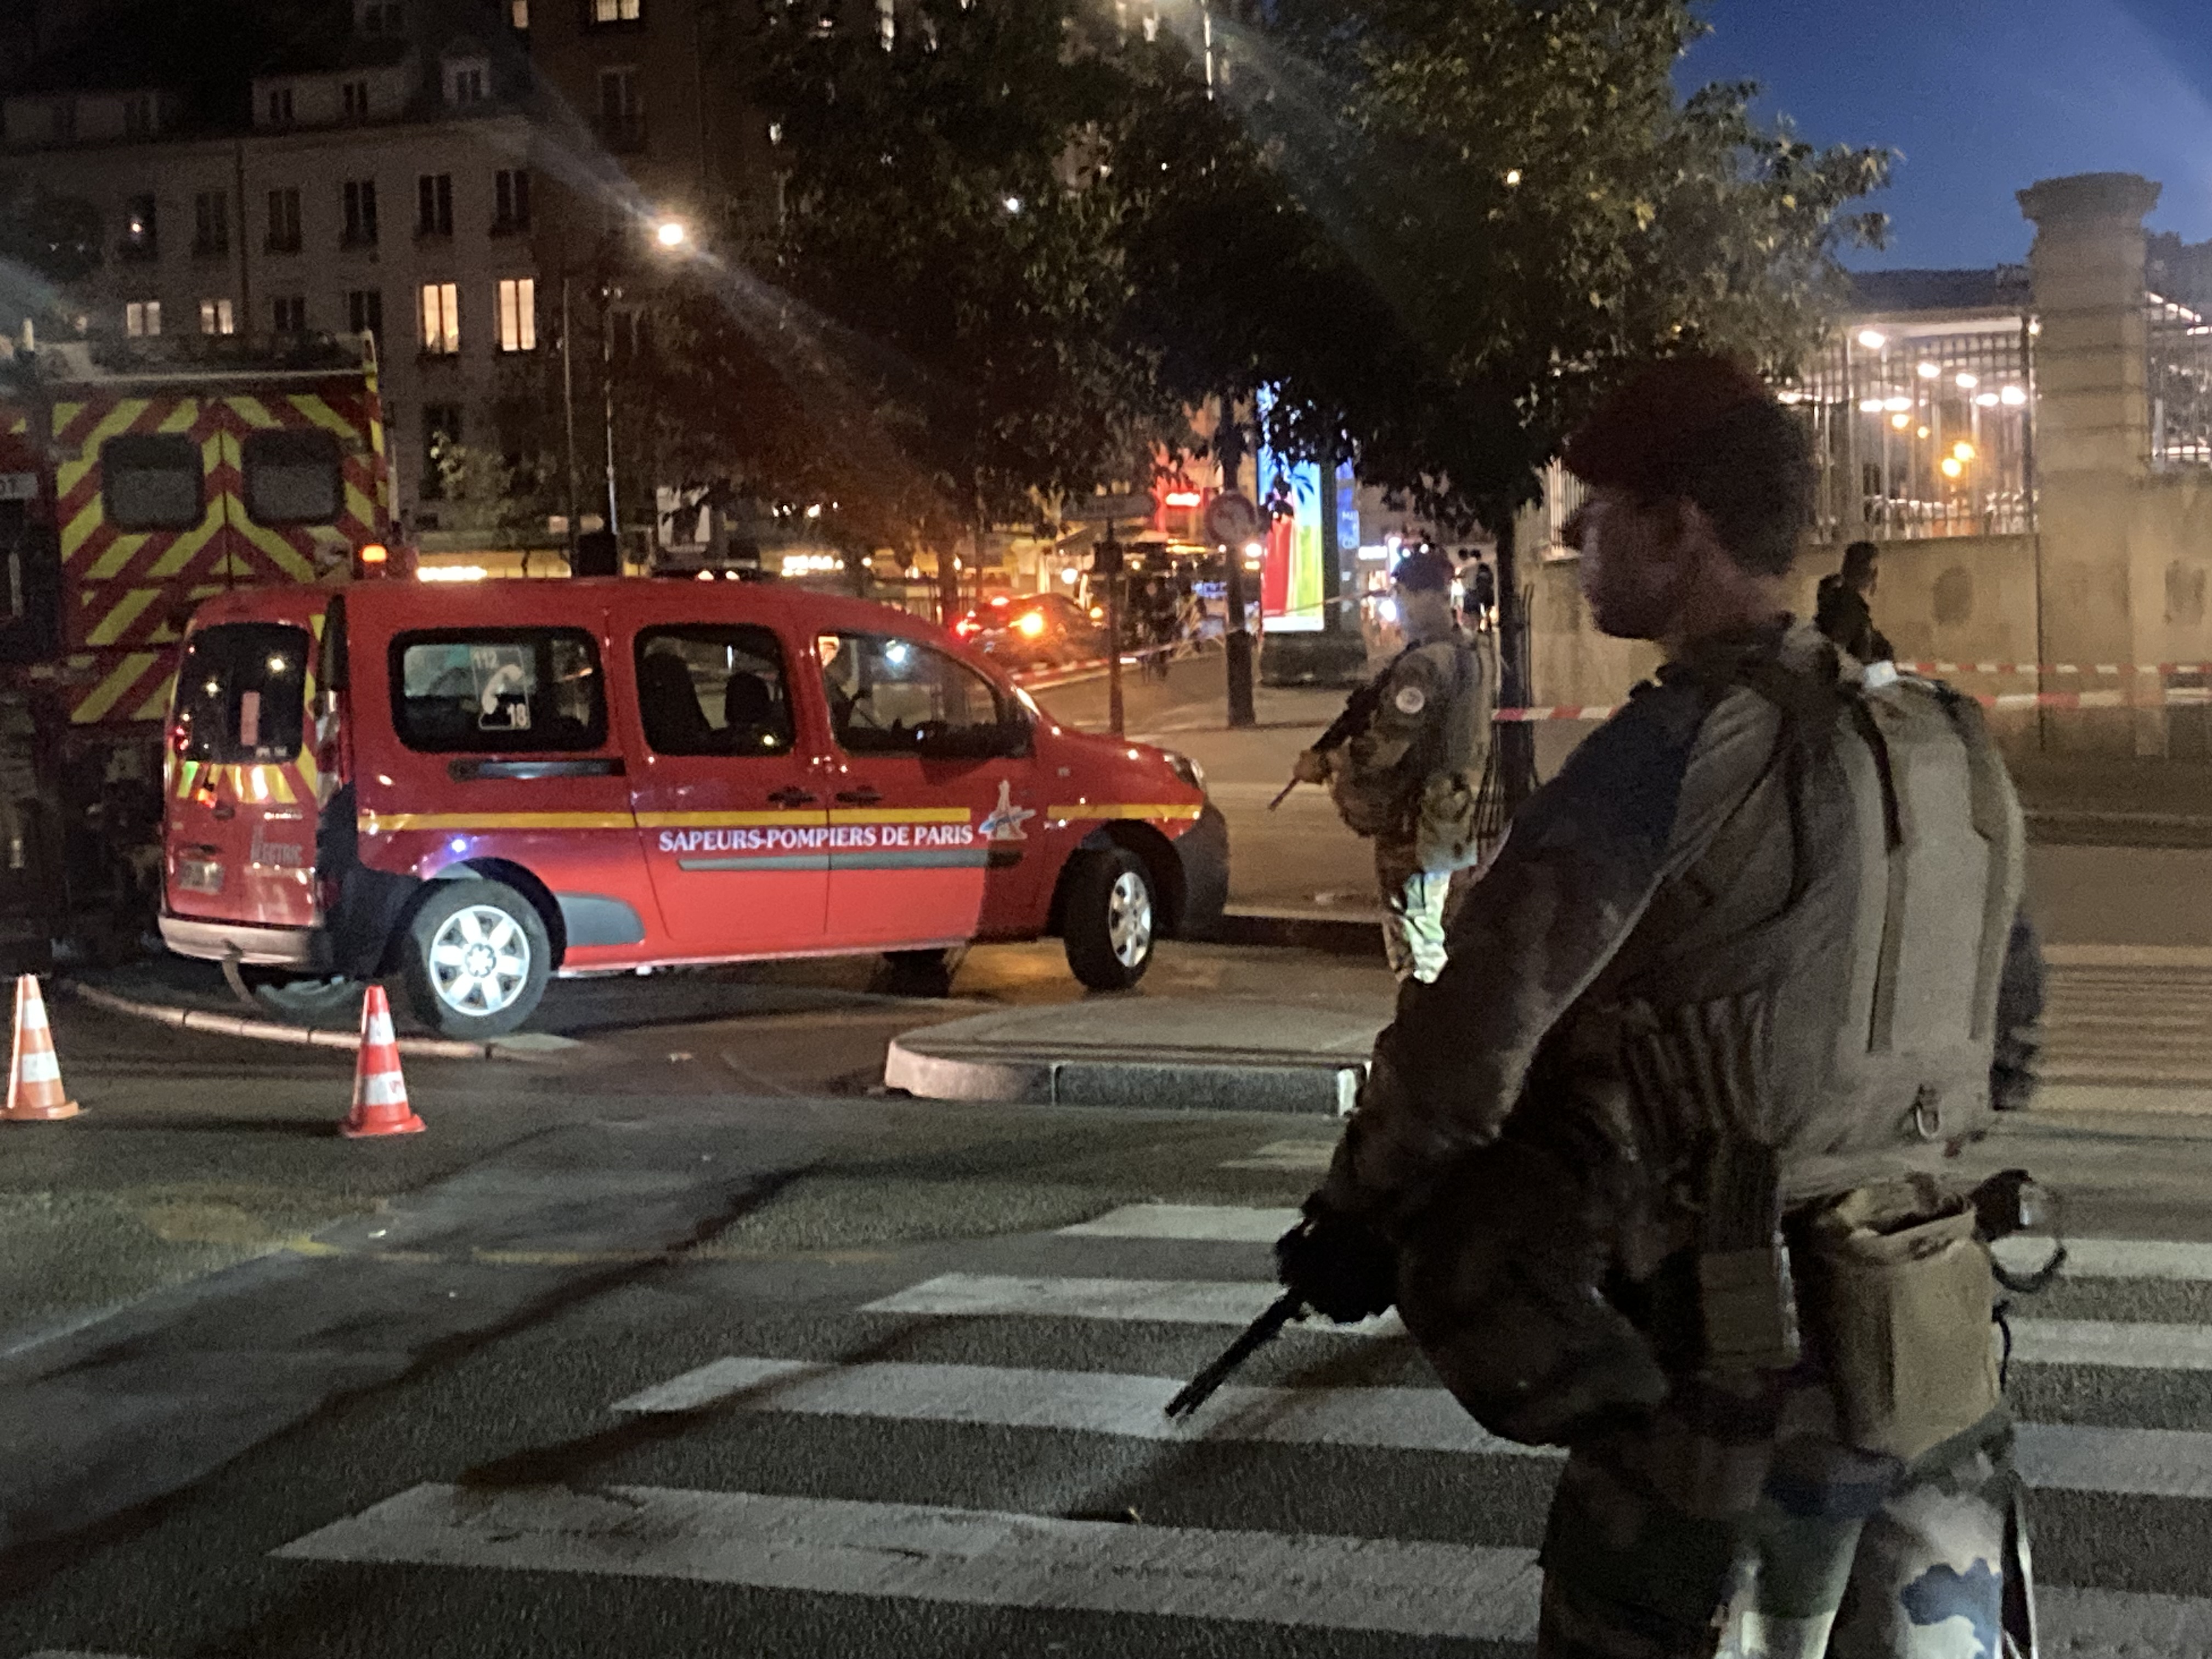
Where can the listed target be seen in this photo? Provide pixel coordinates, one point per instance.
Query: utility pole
(1516, 739)
(1107, 561)
(1228, 446)
(569, 418)
(607, 386)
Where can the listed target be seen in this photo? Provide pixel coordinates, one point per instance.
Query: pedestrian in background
(1661, 1167)
(1404, 762)
(1842, 610)
(1481, 587)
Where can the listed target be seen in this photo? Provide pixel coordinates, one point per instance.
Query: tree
(945, 333)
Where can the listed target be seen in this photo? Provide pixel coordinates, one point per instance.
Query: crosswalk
(1098, 1409)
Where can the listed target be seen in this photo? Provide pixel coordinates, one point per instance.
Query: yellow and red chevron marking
(126, 618)
(132, 686)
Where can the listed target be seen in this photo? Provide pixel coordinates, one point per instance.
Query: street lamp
(667, 234)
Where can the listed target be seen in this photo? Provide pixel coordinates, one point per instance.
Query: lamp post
(667, 236)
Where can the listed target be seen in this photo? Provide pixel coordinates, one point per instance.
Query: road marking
(1158, 1301)
(1226, 1223)
(985, 1558)
(2132, 1462)
(2177, 1260)
(1287, 1155)
(1133, 1407)
(1226, 1302)
(978, 1558)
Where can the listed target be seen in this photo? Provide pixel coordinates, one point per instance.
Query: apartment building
(384, 184)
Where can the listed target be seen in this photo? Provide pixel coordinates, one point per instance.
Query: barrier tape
(2173, 696)
(2104, 670)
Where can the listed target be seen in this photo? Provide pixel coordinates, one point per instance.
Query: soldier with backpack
(1656, 1169)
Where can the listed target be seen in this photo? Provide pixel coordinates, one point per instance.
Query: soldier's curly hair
(1706, 429)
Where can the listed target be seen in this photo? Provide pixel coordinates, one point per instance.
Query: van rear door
(239, 827)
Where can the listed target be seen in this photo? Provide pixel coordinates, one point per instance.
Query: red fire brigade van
(478, 787)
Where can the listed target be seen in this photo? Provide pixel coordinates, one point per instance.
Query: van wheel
(304, 999)
(477, 959)
(1107, 925)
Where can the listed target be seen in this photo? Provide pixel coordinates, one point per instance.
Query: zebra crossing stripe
(1158, 1301)
(2161, 1347)
(985, 1558)
(978, 1558)
(2052, 1456)
(2177, 1260)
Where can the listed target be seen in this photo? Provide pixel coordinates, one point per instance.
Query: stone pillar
(2092, 436)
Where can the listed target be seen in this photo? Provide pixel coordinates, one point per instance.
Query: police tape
(2173, 696)
(2100, 669)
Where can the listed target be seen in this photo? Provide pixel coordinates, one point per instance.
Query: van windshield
(241, 693)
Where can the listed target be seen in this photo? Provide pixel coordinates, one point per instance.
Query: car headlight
(1187, 769)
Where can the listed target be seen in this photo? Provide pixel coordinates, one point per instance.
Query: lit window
(615, 11)
(142, 317)
(216, 318)
(518, 314)
(441, 317)
(518, 13)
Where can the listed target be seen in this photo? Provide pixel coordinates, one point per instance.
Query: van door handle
(859, 797)
(224, 813)
(791, 795)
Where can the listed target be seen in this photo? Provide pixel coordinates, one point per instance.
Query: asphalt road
(685, 1343)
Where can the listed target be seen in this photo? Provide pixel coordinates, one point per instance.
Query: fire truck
(138, 477)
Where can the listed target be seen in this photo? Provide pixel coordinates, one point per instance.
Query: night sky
(1983, 97)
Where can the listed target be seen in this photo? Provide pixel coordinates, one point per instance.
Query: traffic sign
(1232, 520)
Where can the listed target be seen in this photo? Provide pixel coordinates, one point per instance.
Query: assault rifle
(1260, 1331)
(1359, 711)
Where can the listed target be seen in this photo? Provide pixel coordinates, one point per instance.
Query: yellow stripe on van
(725, 820)
(901, 815)
(390, 824)
(1118, 810)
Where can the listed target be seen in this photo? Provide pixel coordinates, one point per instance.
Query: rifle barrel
(1283, 795)
(1256, 1335)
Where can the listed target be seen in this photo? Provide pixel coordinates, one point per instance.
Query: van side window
(151, 481)
(498, 691)
(713, 690)
(241, 692)
(885, 694)
(292, 478)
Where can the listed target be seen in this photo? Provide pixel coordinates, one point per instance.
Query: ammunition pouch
(1502, 1281)
(1898, 1298)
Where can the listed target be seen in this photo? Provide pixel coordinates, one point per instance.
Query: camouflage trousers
(1416, 907)
(1826, 1551)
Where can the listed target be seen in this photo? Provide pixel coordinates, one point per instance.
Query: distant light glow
(670, 233)
(897, 653)
(1962, 451)
(2013, 396)
(1985, 400)
(1928, 371)
(1893, 404)
(1030, 625)
(1183, 498)
(1873, 339)
(1967, 382)
(1013, 205)
(1870, 405)
(1900, 422)
(1512, 175)
(1953, 466)
(452, 573)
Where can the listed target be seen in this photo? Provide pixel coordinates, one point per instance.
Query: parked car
(480, 788)
(1034, 630)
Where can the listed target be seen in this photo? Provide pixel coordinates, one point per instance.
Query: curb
(262, 1031)
(1190, 1084)
(1304, 930)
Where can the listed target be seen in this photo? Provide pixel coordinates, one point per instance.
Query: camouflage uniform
(1374, 780)
(1681, 868)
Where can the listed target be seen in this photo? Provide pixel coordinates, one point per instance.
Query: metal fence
(2177, 360)
(1922, 430)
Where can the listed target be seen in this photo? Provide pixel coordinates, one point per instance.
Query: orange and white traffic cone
(379, 1093)
(35, 1094)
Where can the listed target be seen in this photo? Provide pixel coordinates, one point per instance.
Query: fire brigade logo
(1006, 821)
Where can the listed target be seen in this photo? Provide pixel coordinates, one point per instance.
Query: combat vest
(1821, 983)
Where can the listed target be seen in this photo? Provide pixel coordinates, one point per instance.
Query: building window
(365, 312)
(211, 222)
(615, 11)
(511, 197)
(441, 436)
(138, 117)
(287, 313)
(622, 110)
(383, 17)
(442, 319)
(434, 204)
(518, 314)
(63, 112)
(141, 318)
(464, 84)
(361, 212)
(292, 476)
(278, 106)
(517, 14)
(216, 318)
(142, 230)
(285, 221)
(353, 94)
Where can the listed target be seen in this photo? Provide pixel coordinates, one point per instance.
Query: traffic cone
(35, 1094)
(379, 1093)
